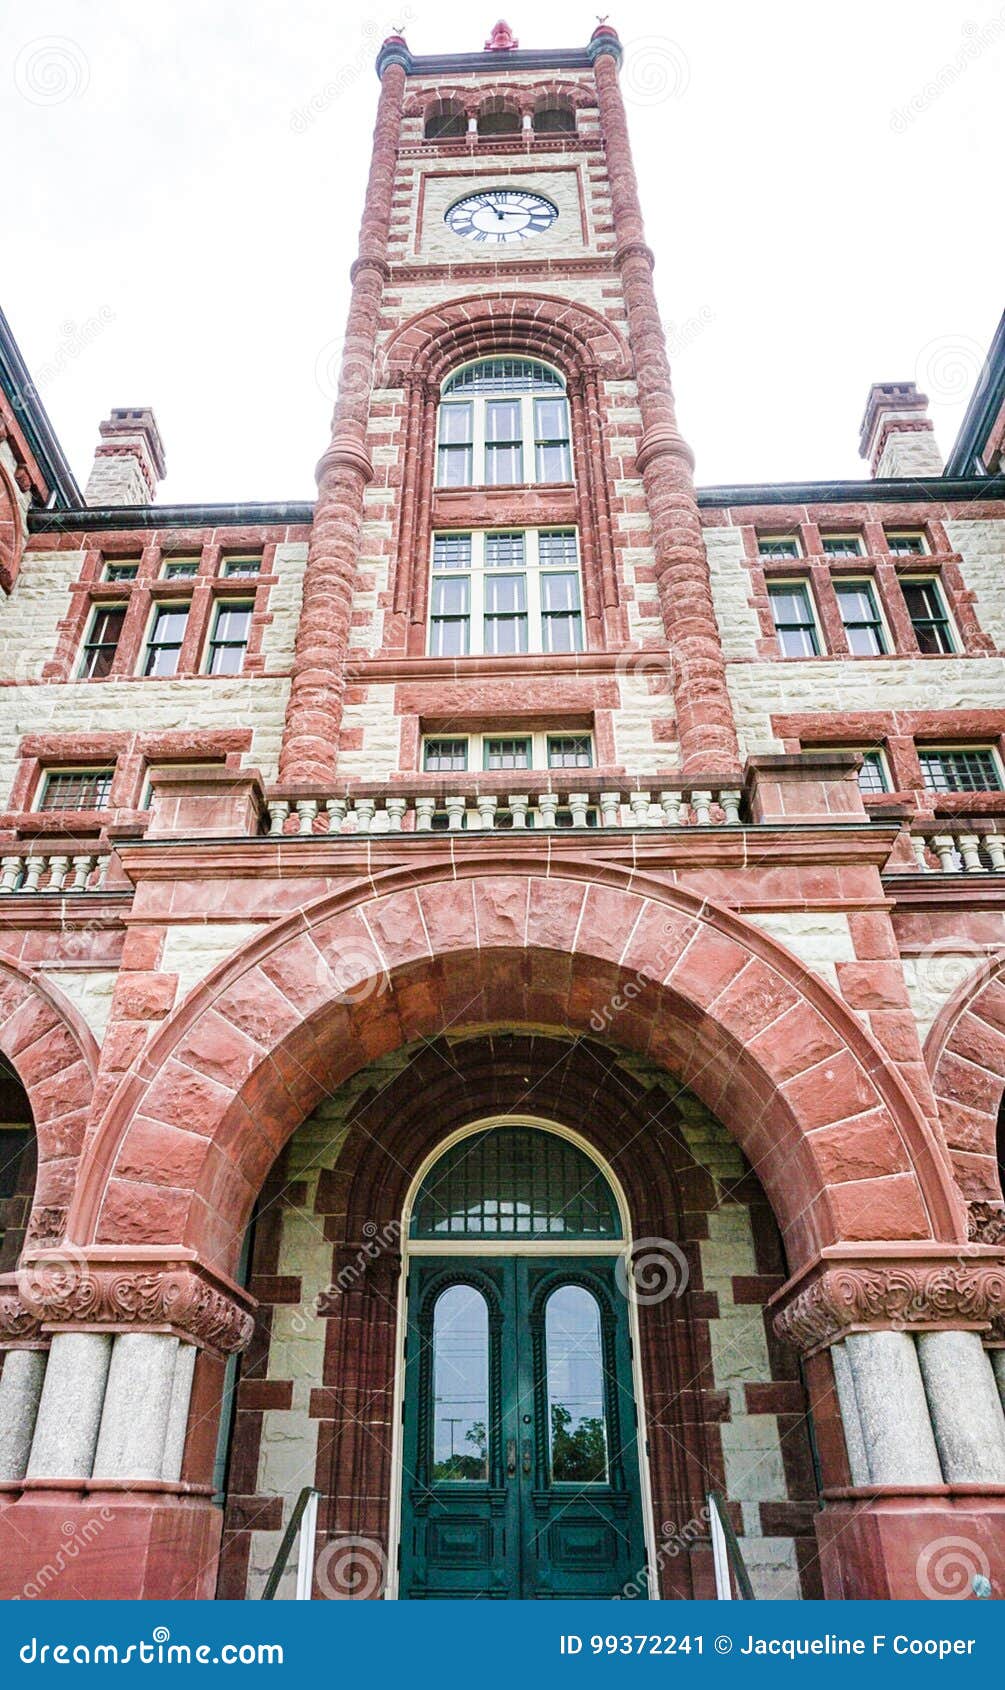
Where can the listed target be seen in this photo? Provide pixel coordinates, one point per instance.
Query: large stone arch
(574, 337)
(839, 1145)
(965, 1053)
(54, 1054)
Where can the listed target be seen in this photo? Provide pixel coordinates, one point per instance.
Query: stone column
(177, 1425)
(965, 1407)
(137, 1407)
(893, 1410)
(998, 1368)
(854, 1437)
(66, 1431)
(20, 1393)
(705, 723)
(309, 750)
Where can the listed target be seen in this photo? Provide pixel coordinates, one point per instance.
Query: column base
(67, 1545)
(912, 1545)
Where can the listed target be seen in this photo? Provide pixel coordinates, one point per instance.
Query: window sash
(510, 752)
(445, 756)
(102, 642)
(180, 569)
(495, 437)
(959, 769)
(932, 628)
(782, 550)
(570, 751)
(76, 789)
(126, 571)
(907, 545)
(841, 545)
(492, 615)
(797, 628)
(229, 641)
(863, 624)
(165, 640)
(242, 568)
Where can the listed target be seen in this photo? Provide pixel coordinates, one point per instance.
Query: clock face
(500, 216)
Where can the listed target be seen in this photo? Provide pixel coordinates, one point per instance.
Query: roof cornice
(986, 401)
(33, 419)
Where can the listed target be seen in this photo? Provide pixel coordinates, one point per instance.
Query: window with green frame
(515, 1182)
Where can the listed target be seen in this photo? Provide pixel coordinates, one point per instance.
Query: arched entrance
(519, 1472)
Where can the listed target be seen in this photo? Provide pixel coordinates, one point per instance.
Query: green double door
(520, 1452)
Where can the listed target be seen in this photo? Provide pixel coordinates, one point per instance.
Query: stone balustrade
(477, 807)
(52, 871)
(957, 847)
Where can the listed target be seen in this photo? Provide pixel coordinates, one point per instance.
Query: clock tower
(505, 476)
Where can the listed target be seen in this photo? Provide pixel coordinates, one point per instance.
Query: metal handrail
(306, 1503)
(726, 1552)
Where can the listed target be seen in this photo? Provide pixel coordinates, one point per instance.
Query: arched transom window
(504, 422)
(515, 1182)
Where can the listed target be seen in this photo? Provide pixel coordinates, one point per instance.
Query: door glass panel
(460, 1385)
(576, 1426)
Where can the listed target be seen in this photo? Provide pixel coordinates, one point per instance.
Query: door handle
(526, 1455)
(511, 1458)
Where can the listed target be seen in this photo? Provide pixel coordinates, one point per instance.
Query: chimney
(897, 435)
(129, 461)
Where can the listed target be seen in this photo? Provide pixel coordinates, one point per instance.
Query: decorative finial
(502, 39)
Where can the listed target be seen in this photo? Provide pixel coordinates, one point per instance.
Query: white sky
(180, 232)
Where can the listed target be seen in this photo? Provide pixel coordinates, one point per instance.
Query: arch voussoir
(840, 1148)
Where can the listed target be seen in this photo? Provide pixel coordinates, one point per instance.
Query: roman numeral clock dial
(500, 216)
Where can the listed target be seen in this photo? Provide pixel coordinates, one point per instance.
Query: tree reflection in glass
(460, 1384)
(577, 1426)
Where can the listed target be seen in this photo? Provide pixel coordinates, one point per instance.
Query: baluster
(33, 873)
(364, 808)
(670, 805)
(486, 812)
(279, 809)
(307, 809)
(994, 845)
(944, 846)
(519, 804)
(701, 803)
(424, 808)
(10, 873)
(579, 803)
(547, 803)
(455, 808)
(640, 803)
(102, 863)
(83, 868)
(395, 813)
(336, 808)
(610, 809)
(970, 850)
(730, 800)
(58, 870)
(919, 845)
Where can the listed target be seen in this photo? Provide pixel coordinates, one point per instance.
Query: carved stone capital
(153, 1289)
(17, 1323)
(908, 1288)
(986, 1223)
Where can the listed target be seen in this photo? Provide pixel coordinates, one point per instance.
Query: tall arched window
(498, 117)
(504, 422)
(558, 117)
(446, 120)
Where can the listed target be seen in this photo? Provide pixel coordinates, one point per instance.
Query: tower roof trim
(497, 63)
